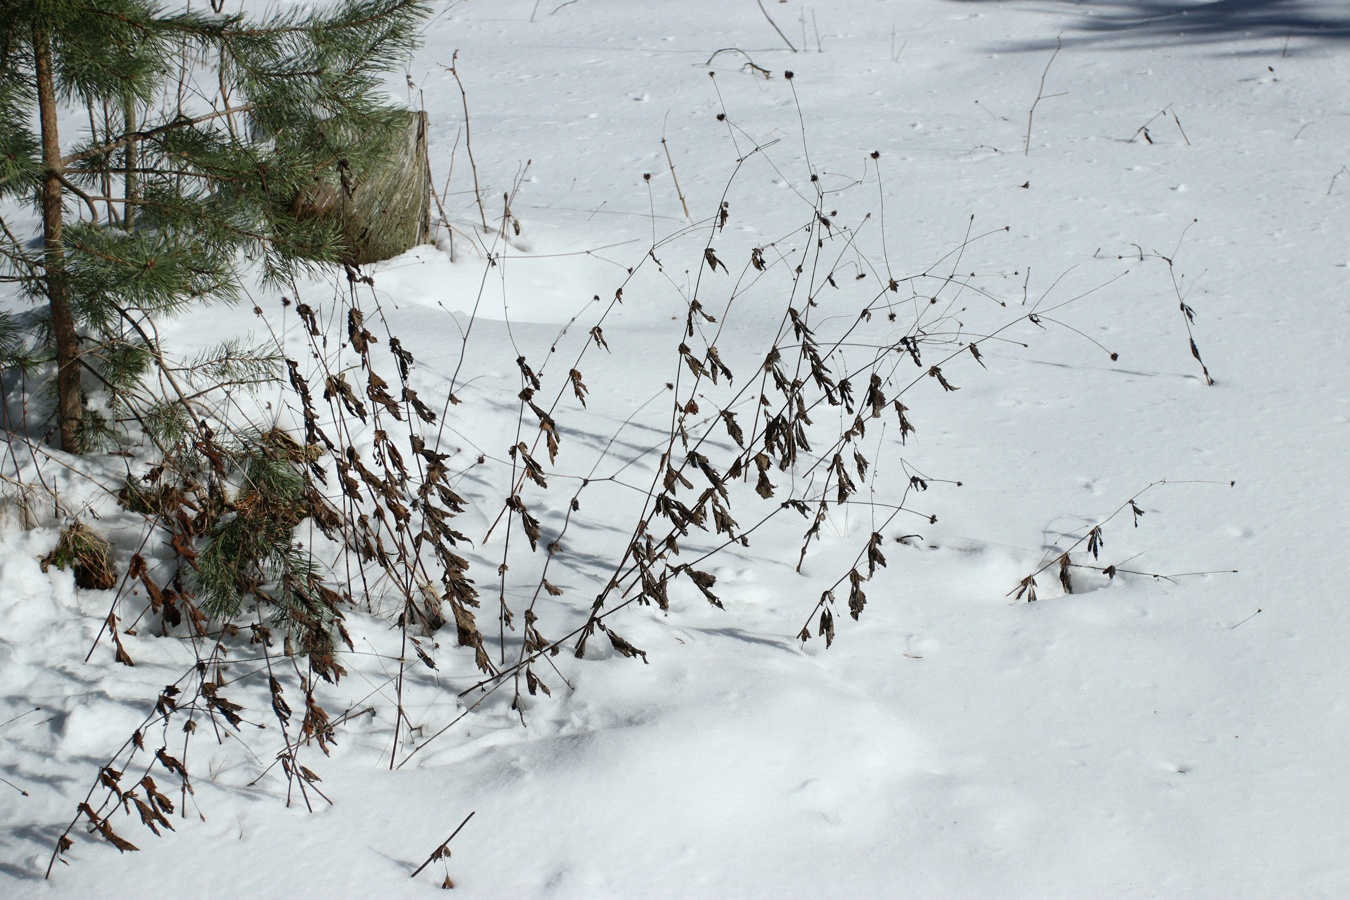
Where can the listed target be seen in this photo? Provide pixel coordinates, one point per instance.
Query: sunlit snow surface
(1140, 737)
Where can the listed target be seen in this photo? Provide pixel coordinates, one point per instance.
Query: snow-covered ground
(1142, 736)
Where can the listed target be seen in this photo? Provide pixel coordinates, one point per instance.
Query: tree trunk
(69, 408)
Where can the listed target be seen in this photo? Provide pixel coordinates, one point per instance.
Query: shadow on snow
(1152, 23)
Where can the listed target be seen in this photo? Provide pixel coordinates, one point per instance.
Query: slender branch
(135, 136)
(439, 851)
(775, 26)
(1040, 95)
(678, 192)
(468, 146)
(748, 61)
(88, 200)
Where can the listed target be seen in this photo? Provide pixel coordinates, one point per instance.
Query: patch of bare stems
(797, 431)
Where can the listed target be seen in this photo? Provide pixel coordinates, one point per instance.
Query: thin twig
(20, 716)
(468, 146)
(1176, 119)
(1040, 95)
(748, 61)
(678, 192)
(1343, 171)
(775, 26)
(437, 853)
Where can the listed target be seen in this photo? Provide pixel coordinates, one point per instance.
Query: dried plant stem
(440, 207)
(1092, 537)
(1187, 313)
(1041, 95)
(670, 162)
(468, 144)
(21, 715)
(1162, 113)
(775, 26)
(440, 851)
(1342, 171)
(749, 63)
(1177, 119)
(786, 431)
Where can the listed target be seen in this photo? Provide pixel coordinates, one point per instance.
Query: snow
(1140, 737)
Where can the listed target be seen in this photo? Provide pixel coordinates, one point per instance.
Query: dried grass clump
(87, 554)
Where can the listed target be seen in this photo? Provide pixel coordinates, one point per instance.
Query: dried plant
(1165, 113)
(1092, 540)
(347, 499)
(442, 853)
(87, 554)
(1041, 94)
(1187, 313)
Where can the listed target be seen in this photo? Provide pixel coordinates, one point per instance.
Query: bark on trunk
(69, 408)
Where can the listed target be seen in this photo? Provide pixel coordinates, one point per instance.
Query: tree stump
(388, 209)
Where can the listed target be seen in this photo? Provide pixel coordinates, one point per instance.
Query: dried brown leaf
(624, 647)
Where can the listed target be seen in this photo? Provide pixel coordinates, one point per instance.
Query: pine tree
(205, 137)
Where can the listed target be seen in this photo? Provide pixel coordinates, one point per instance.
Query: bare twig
(439, 852)
(1041, 95)
(1187, 313)
(670, 162)
(1162, 113)
(468, 145)
(1343, 171)
(1177, 119)
(749, 63)
(775, 26)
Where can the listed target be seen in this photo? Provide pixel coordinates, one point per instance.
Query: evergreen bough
(204, 131)
(203, 134)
